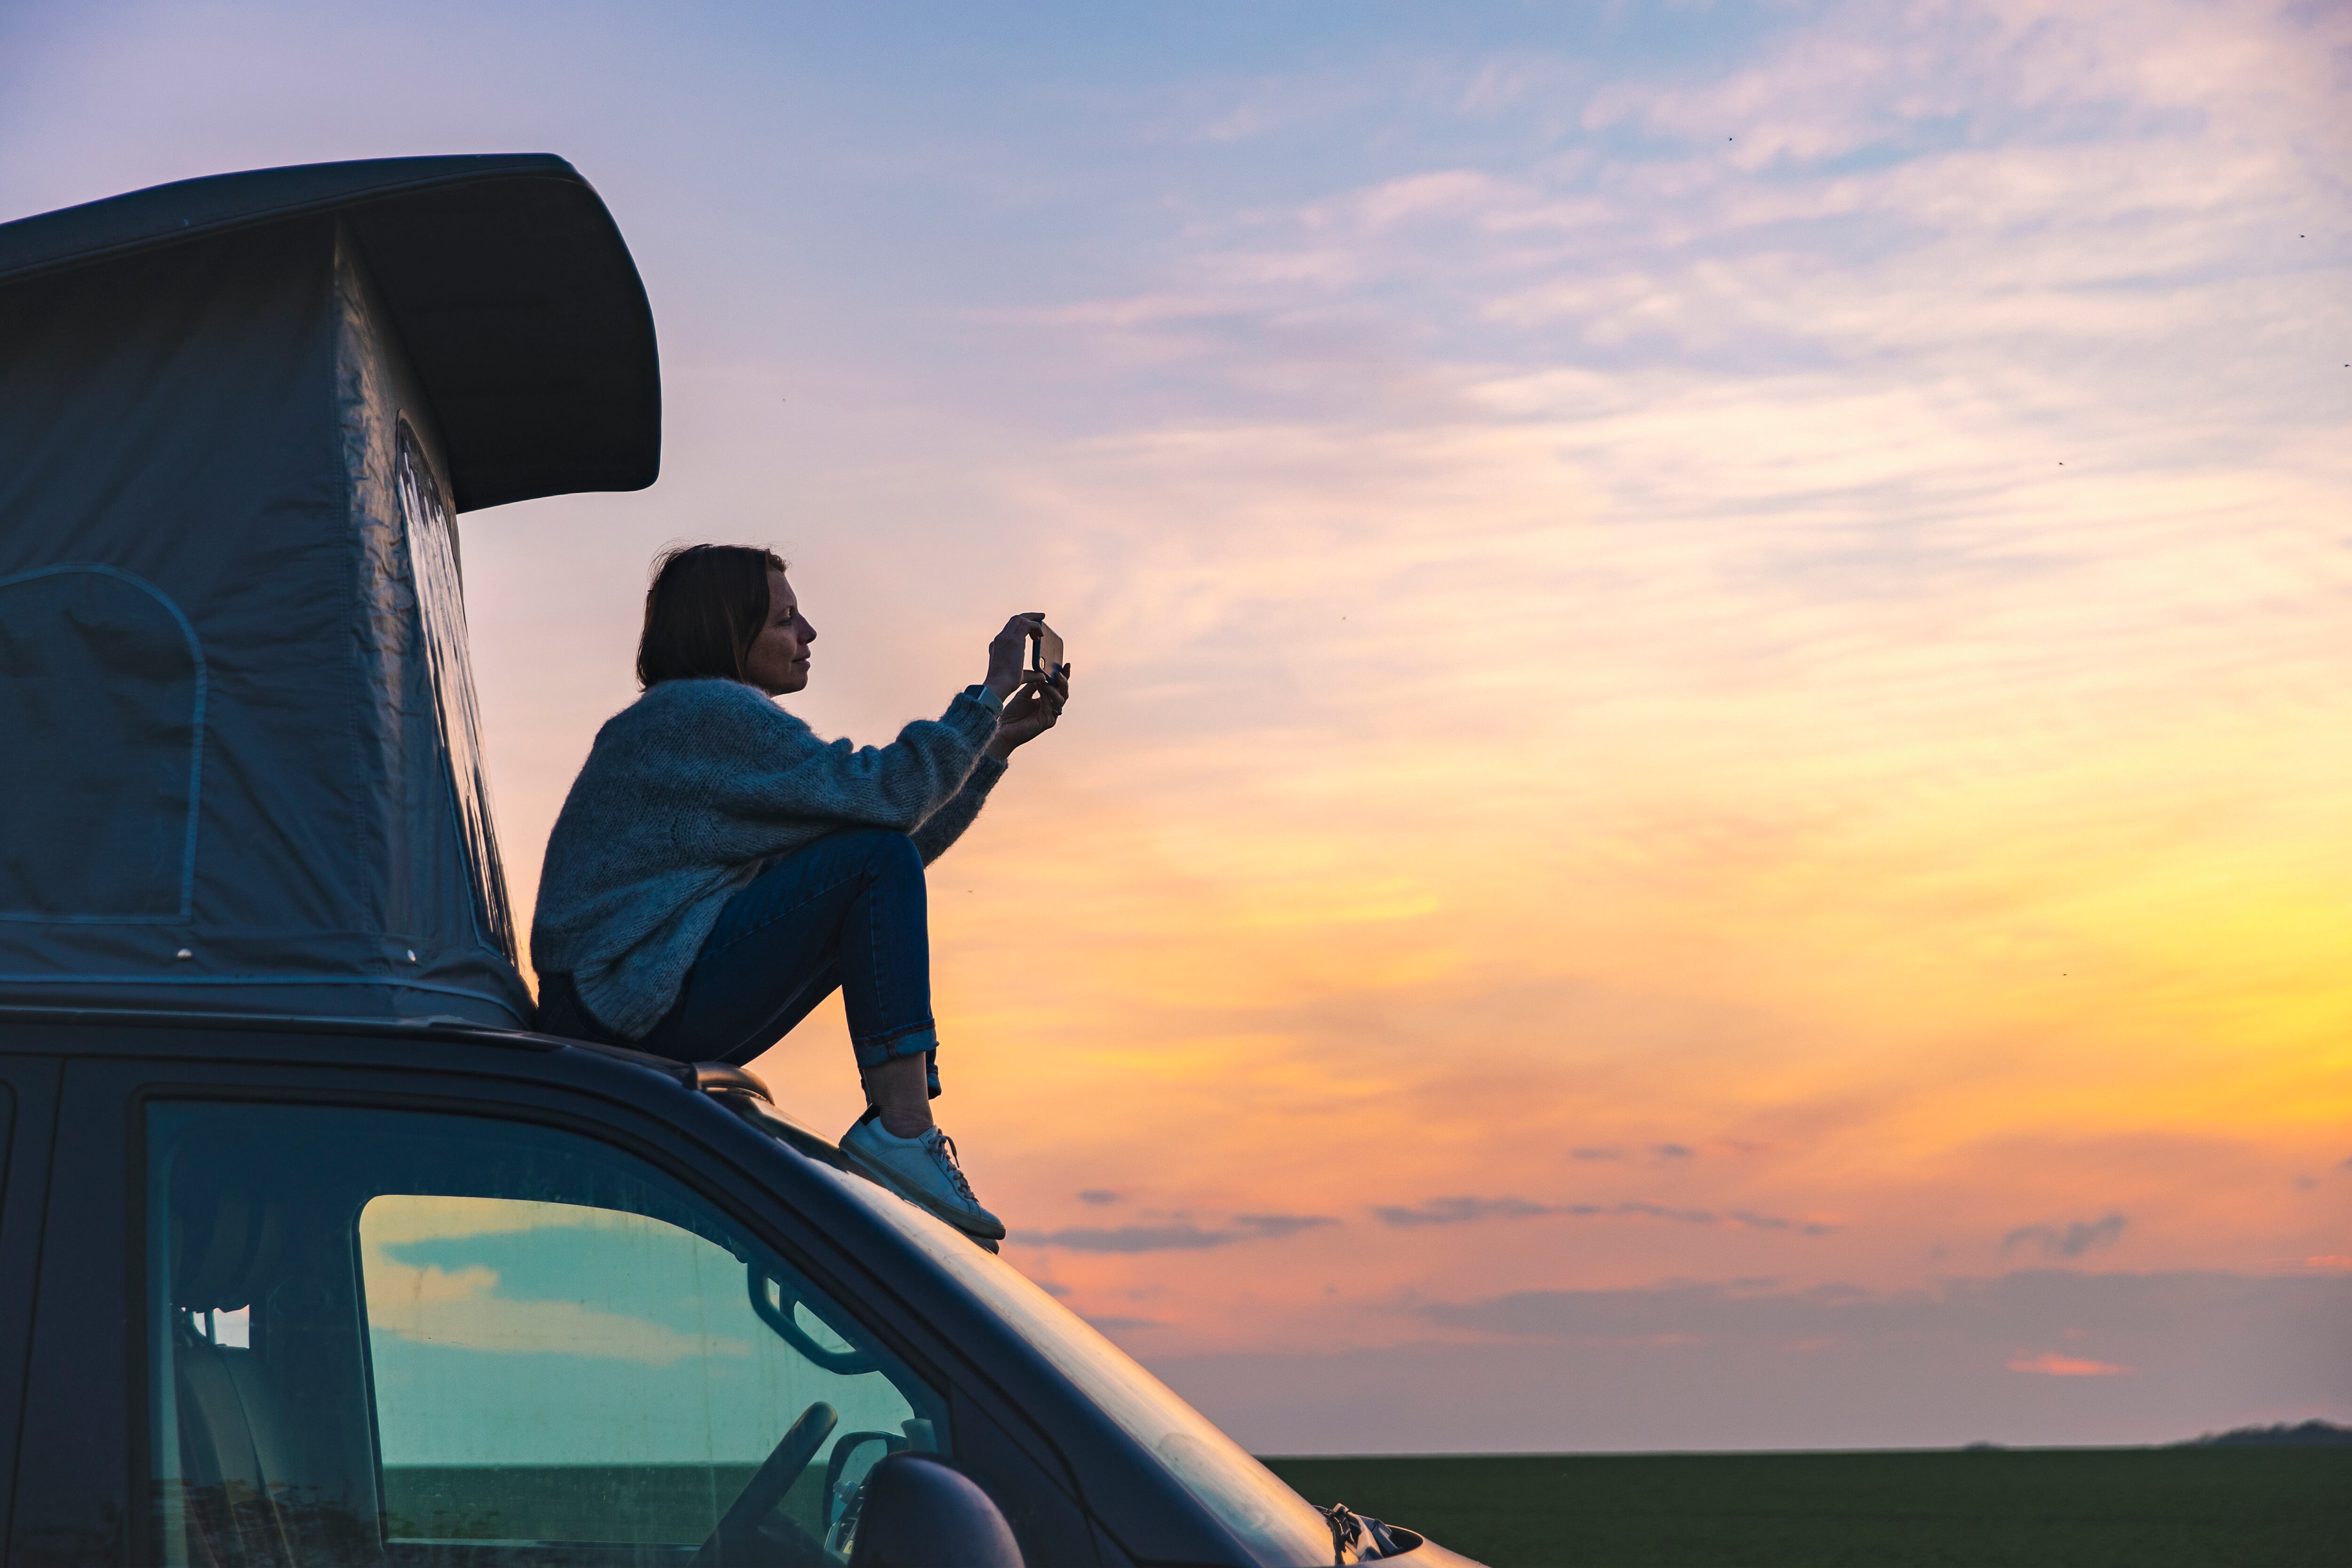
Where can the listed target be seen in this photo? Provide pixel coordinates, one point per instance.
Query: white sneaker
(921, 1169)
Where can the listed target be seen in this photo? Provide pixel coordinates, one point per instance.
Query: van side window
(388, 1337)
(441, 605)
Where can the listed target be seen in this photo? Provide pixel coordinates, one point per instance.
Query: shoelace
(943, 1150)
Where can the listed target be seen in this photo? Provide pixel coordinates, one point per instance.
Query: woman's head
(723, 612)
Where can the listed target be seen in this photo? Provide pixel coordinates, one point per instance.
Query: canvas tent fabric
(509, 286)
(244, 764)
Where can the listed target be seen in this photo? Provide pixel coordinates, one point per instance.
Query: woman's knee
(887, 852)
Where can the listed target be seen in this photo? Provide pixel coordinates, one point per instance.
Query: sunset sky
(1707, 801)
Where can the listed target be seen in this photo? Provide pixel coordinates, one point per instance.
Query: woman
(717, 870)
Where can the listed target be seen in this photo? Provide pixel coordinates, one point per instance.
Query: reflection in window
(441, 601)
(385, 1336)
(558, 1373)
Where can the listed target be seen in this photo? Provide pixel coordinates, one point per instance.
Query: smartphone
(1045, 650)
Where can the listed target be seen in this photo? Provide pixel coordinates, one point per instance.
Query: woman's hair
(704, 608)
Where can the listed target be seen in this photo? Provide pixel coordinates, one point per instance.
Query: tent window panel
(102, 695)
(441, 601)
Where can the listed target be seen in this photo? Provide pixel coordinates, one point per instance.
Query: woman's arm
(945, 825)
(754, 777)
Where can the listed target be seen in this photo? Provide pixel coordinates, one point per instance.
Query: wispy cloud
(2070, 1240)
(1779, 1222)
(1728, 1365)
(1282, 1223)
(1461, 1211)
(2028, 1304)
(1174, 1236)
(1178, 1237)
(1470, 1210)
(2050, 1363)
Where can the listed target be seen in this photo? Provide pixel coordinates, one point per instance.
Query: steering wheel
(738, 1541)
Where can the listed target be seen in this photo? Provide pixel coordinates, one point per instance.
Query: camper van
(313, 1253)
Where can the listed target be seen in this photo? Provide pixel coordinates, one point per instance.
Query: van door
(364, 1324)
(73, 1497)
(452, 1338)
(26, 1087)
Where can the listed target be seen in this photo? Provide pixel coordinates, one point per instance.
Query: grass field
(2097, 1507)
(639, 1503)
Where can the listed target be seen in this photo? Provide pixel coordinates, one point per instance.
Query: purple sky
(1706, 808)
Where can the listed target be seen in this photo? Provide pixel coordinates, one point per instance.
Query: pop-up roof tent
(240, 765)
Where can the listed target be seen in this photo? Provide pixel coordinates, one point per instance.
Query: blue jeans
(848, 910)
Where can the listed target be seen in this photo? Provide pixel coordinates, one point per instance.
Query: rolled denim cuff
(920, 1040)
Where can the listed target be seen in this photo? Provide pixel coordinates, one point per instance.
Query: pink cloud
(2050, 1363)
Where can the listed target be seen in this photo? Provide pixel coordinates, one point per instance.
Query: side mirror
(855, 1455)
(920, 1512)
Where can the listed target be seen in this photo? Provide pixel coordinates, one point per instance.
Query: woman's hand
(1009, 652)
(1035, 710)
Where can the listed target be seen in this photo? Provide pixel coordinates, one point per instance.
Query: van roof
(519, 302)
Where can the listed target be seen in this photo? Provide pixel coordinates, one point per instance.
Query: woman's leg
(845, 911)
(885, 987)
(848, 911)
(900, 1089)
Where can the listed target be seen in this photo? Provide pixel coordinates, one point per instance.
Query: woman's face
(779, 660)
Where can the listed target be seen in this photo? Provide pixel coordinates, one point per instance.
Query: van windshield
(1278, 1526)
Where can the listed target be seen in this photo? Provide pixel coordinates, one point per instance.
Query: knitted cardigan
(689, 792)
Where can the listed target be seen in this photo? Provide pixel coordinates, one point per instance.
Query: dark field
(637, 1504)
(2076, 1507)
